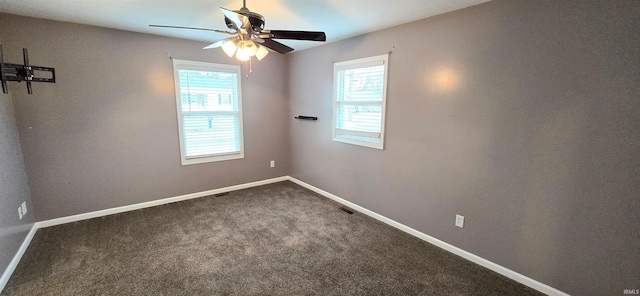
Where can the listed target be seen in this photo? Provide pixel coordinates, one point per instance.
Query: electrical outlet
(20, 212)
(460, 221)
(273, 163)
(24, 208)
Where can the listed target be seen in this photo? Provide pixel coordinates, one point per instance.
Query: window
(209, 104)
(359, 99)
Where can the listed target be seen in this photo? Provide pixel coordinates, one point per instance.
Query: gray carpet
(278, 239)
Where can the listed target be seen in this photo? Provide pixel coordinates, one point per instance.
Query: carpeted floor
(278, 239)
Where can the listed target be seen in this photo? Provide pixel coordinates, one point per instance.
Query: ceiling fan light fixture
(251, 46)
(230, 47)
(246, 50)
(243, 53)
(261, 53)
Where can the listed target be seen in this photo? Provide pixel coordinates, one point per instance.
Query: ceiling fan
(249, 38)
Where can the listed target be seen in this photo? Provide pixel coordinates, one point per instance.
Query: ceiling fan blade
(219, 43)
(276, 46)
(297, 35)
(192, 28)
(238, 19)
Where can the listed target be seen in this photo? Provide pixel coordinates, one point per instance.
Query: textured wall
(105, 134)
(14, 187)
(522, 116)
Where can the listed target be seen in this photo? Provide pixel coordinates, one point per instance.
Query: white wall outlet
(20, 212)
(460, 221)
(24, 207)
(273, 163)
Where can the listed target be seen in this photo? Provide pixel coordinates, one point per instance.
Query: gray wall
(105, 134)
(14, 186)
(523, 116)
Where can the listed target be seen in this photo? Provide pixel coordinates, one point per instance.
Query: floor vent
(221, 194)
(346, 210)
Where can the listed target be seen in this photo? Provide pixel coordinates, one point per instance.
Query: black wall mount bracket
(306, 117)
(22, 72)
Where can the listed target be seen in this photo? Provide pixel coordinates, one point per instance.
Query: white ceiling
(339, 19)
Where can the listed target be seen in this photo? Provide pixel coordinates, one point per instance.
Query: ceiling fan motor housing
(256, 20)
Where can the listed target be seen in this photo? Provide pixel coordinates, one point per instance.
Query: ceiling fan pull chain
(248, 66)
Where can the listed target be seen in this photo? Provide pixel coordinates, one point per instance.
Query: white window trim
(193, 65)
(354, 64)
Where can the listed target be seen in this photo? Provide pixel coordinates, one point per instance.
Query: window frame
(207, 67)
(356, 64)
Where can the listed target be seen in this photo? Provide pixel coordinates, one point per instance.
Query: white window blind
(209, 106)
(359, 101)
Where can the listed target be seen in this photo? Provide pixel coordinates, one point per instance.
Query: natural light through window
(360, 88)
(209, 104)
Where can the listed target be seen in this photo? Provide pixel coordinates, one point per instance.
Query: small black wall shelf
(24, 72)
(306, 117)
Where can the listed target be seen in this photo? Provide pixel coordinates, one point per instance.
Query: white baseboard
(434, 241)
(16, 259)
(153, 203)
